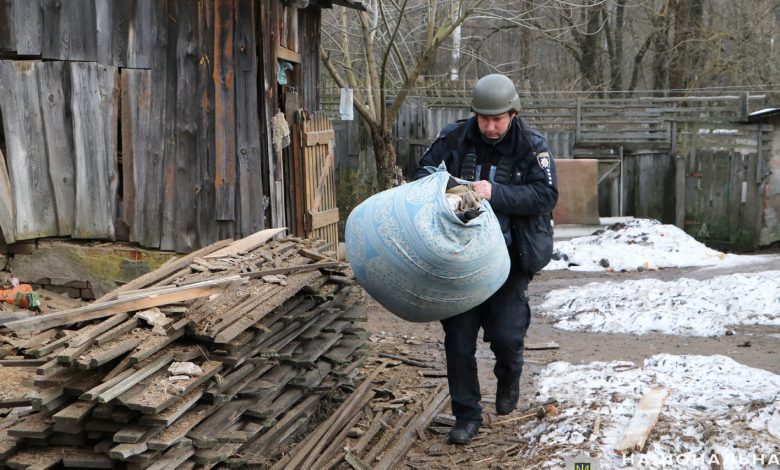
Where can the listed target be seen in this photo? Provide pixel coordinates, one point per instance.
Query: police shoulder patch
(544, 159)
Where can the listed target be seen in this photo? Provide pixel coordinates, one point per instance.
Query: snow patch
(716, 405)
(638, 244)
(682, 307)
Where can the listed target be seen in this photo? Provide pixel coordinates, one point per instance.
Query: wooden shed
(166, 123)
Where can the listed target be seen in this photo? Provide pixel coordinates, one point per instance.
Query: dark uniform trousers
(505, 318)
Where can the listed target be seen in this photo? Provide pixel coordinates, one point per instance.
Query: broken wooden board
(246, 244)
(645, 416)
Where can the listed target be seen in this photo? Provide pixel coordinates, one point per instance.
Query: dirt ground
(498, 444)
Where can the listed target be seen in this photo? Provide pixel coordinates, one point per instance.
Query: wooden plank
(250, 177)
(114, 349)
(137, 376)
(22, 362)
(89, 333)
(169, 189)
(121, 16)
(318, 137)
(104, 34)
(178, 430)
(7, 36)
(28, 26)
(323, 218)
(294, 284)
(135, 107)
(7, 221)
(288, 55)
(645, 416)
(94, 110)
(131, 434)
(27, 161)
(93, 393)
(45, 350)
(224, 109)
(36, 426)
(204, 434)
(140, 35)
(152, 345)
(36, 458)
(74, 414)
(131, 303)
(69, 30)
(206, 140)
(169, 415)
(154, 403)
(149, 153)
(53, 83)
(211, 328)
(291, 421)
(76, 457)
(246, 244)
(186, 108)
(172, 459)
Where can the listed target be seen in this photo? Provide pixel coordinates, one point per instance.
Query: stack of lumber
(364, 433)
(229, 348)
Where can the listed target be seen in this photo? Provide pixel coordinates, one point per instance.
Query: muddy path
(755, 346)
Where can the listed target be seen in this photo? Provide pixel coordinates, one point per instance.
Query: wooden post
(578, 122)
(679, 191)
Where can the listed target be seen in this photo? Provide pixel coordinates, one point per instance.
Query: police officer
(511, 167)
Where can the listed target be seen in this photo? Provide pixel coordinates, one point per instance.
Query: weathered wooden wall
(60, 128)
(724, 183)
(149, 120)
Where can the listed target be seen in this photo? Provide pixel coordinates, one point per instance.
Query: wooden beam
(295, 269)
(135, 302)
(134, 378)
(247, 243)
(288, 54)
(323, 218)
(646, 415)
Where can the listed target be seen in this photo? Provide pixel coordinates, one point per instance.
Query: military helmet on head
(494, 94)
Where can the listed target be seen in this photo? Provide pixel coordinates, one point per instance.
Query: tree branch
(364, 111)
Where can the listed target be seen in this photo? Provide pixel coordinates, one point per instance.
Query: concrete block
(79, 266)
(578, 201)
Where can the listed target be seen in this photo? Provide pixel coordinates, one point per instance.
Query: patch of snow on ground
(681, 307)
(636, 245)
(716, 405)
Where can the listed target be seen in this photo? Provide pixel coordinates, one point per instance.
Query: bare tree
(383, 58)
(384, 54)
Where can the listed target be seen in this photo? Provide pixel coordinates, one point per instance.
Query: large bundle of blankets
(421, 257)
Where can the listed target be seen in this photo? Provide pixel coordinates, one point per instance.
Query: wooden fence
(570, 123)
(645, 146)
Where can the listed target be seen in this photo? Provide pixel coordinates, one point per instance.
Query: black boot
(507, 395)
(463, 432)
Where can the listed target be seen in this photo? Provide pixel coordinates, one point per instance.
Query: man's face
(493, 127)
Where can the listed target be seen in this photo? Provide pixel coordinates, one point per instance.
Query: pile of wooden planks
(229, 348)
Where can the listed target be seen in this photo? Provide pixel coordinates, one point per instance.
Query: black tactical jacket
(524, 186)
